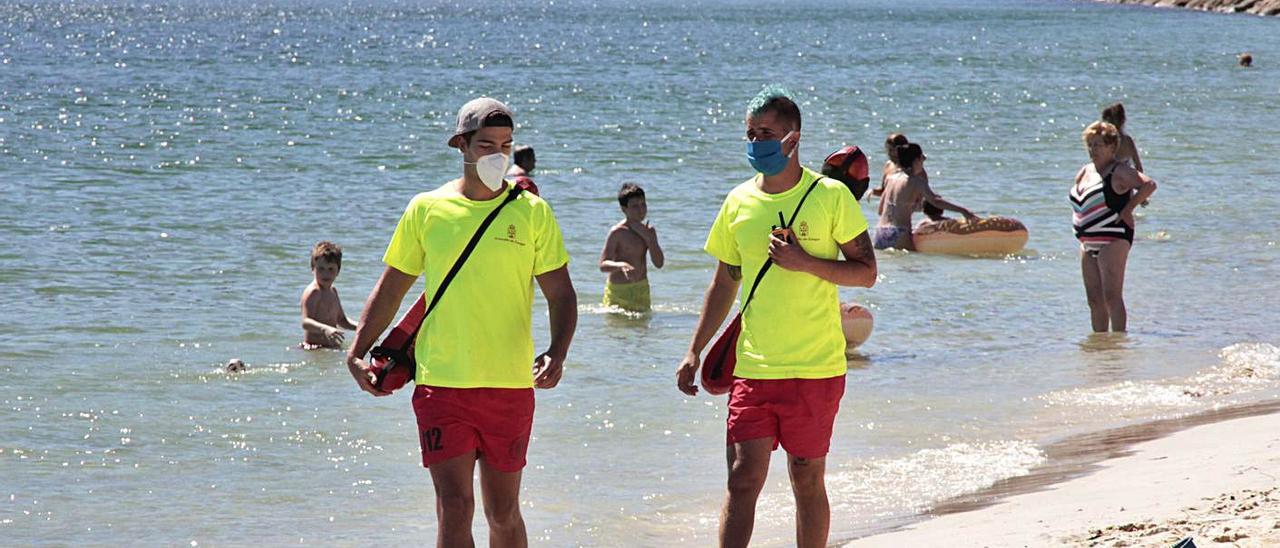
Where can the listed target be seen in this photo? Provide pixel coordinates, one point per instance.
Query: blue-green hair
(775, 98)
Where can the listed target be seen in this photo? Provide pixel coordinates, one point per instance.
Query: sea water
(166, 166)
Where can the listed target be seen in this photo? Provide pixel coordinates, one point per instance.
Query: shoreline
(1111, 483)
(1251, 7)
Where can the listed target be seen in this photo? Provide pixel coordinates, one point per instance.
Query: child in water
(322, 316)
(623, 257)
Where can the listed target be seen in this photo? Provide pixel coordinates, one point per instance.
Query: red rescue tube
(392, 364)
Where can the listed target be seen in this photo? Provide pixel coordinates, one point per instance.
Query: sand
(1217, 483)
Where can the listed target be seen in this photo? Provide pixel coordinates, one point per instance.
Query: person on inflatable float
(789, 376)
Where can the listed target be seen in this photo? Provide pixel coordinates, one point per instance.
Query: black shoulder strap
(769, 262)
(466, 252)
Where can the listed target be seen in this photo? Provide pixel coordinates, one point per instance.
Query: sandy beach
(1214, 482)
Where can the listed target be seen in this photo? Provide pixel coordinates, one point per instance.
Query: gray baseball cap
(472, 115)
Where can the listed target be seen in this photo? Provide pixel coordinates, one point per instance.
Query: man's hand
(687, 374)
(360, 371)
(788, 255)
(547, 370)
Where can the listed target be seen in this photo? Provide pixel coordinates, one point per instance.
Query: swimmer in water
(903, 190)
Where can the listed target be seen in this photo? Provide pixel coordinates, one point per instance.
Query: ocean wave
(910, 484)
(1244, 367)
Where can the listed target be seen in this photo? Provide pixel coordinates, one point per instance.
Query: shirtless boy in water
(624, 253)
(322, 317)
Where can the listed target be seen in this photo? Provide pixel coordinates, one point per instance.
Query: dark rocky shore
(1256, 7)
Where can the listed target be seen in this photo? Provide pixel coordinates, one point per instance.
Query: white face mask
(491, 168)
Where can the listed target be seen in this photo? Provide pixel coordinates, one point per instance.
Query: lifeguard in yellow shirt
(791, 365)
(475, 365)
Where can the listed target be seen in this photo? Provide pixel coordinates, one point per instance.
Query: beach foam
(1243, 368)
(896, 488)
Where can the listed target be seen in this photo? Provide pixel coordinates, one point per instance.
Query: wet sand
(1211, 476)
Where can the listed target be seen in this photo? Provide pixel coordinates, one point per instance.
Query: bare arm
(940, 202)
(884, 177)
(715, 308)
(343, 321)
(1129, 180)
(857, 269)
(1145, 189)
(655, 250)
(317, 327)
(379, 310)
(562, 307)
(607, 264)
(346, 323)
(1137, 159)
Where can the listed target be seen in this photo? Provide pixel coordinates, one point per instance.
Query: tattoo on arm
(735, 272)
(863, 250)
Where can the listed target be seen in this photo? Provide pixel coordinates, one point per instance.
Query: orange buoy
(857, 323)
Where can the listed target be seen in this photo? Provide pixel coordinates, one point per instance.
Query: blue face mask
(766, 156)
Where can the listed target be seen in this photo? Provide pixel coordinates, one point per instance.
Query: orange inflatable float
(987, 236)
(857, 323)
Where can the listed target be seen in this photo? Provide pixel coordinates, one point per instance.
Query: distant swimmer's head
(631, 199)
(524, 157)
(234, 365)
(1114, 115)
(1101, 139)
(773, 130)
(1245, 59)
(326, 262)
(911, 157)
(483, 134)
(891, 144)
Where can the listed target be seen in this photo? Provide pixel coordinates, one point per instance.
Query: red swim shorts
(796, 413)
(496, 422)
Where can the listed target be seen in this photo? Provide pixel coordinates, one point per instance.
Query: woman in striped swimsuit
(1103, 197)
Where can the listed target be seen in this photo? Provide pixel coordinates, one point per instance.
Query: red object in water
(717, 368)
(393, 364)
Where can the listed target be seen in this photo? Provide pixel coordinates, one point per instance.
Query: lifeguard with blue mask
(779, 238)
